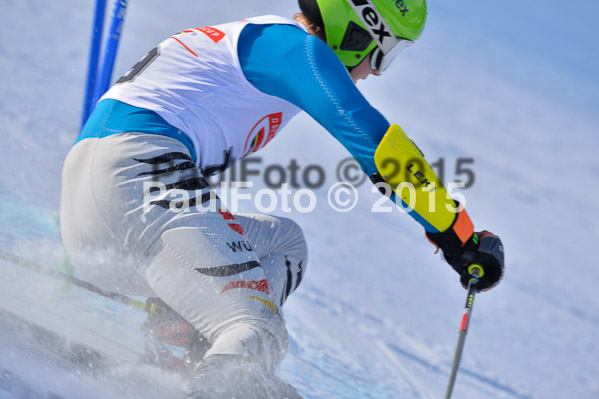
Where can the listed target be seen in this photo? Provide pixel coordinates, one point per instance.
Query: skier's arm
(399, 161)
(286, 62)
(283, 61)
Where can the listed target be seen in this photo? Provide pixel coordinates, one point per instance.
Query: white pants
(126, 230)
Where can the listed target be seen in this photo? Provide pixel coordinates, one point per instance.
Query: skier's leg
(179, 254)
(92, 241)
(281, 247)
(223, 294)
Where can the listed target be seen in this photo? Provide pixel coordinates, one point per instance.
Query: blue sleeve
(286, 62)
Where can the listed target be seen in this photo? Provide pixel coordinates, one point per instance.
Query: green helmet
(354, 28)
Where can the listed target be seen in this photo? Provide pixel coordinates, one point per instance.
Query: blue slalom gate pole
(94, 58)
(114, 36)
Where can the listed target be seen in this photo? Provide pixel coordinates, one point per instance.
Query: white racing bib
(195, 82)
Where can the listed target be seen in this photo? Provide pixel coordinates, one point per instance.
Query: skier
(201, 100)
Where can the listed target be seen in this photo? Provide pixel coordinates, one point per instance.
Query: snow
(377, 315)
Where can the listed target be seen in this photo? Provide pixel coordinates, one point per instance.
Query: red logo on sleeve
(212, 33)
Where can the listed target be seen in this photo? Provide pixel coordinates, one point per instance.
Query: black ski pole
(476, 272)
(17, 260)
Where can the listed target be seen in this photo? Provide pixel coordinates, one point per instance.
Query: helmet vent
(356, 38)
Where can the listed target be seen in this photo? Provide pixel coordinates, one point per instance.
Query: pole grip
(476, 271)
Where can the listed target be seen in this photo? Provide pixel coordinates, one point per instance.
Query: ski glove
(462, 248)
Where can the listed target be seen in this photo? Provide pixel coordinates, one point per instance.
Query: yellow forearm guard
(402, 165)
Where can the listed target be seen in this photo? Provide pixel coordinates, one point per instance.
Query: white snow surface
(378, 313)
